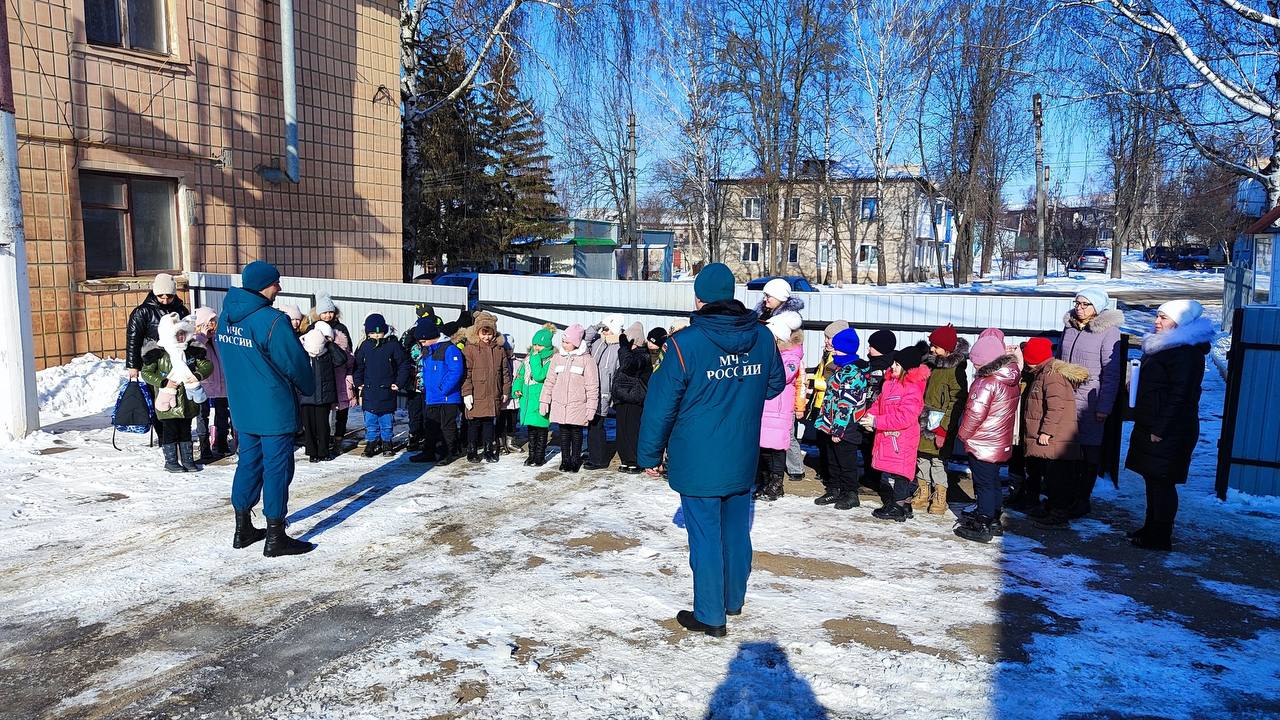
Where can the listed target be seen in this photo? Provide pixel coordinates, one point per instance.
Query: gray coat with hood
(605, 354)
(1094, 346)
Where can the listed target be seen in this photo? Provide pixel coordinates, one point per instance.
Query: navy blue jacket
(265, 365)
(442, 373)
(706, 398)
(379, 365)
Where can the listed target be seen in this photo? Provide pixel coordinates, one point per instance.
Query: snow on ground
(1139, 276)
(499, 591)
(85, 386)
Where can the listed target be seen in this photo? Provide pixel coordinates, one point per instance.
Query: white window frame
(750, 251)
(539, 264)
(748, 203)
(793, 253)
(868, 254)
(122, 26)
(840, 202)
(791, 208)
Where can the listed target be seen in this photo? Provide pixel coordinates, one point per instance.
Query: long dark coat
(1169, 402)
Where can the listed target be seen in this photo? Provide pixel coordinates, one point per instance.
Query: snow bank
(87, 385)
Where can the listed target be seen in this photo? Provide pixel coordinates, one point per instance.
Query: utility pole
(631, 196)
(1042, 181)
(19, 411)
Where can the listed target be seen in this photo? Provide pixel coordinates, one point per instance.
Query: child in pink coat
(895, 417)
(777, 424)
(571, 394)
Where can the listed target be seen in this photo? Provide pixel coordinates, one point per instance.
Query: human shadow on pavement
(367, 489)
(760, 683)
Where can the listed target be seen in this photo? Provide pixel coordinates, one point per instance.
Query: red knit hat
(944, 337)
(1037, 350)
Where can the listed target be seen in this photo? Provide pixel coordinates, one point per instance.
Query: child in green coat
(527, 390)
(174, 371)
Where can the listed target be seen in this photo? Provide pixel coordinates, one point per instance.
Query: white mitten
(468, 401)
(166, 399)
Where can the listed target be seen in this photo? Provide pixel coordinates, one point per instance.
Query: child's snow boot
(246, 533)
(776, 489)
(846, 500)
(372, 448)
(920, 501)
(207, 454)
(890, 511)
(278, 543)
(938, 500)
(186, 457)
(171, 458)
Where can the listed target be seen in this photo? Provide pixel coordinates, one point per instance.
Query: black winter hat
(657, 336)
(909, 357)
(423, 310)
(883, 341)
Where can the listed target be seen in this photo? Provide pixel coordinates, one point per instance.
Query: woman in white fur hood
(1166, 416)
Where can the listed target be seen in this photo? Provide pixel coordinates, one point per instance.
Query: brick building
(147, 132)
(917, 227)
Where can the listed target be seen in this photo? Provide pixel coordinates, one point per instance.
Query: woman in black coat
(1166, 417)
(630, 384)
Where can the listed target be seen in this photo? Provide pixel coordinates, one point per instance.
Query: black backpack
(134, 411)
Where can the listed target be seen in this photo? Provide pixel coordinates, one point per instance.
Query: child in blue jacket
(441, 380)
(382, 368)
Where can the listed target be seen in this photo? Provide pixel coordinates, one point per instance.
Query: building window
(130, 225)
(752, 208)
(792, 208)
(868, 255)
(870, 208)
(136, 24)
(540, 264)
(750, 252)
(793, 253)
(938, 210)
(836, 207)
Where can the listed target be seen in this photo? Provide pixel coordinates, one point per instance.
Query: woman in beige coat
(571, 395)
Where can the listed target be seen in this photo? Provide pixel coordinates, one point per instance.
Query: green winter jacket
(527, 386)
(156, 367)
(946, 392)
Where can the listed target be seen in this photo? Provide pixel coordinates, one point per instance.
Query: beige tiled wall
(219, 95)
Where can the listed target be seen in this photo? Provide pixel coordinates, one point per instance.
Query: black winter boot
(491, 453)
(278, 543)
(171, 458)
(186, 456)
(827, 497)
(976, 528)
(207, 455)
(473, 454)
(776, 486)
(846, 500)
(893, 511)
(246, 533)
(691, 623)
(1158, 536)
(372, 447)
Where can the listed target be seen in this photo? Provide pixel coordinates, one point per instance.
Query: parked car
(797, 283)
(1159, 255)
(468, 280)
(1194, 257)
(1091, 259)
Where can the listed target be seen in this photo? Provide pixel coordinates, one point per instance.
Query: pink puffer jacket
(215, 386)
(571, 394)
(897, 414)
(778, 422)
(345, 385)
(987, 426)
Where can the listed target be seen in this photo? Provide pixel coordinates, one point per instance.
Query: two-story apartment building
(152, 139)
(918, 226)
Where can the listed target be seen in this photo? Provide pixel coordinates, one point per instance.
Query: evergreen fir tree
(522, 192)
(446, 191)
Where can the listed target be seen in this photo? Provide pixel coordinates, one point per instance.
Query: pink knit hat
(204, 315)
(988, 348)
(574, 334)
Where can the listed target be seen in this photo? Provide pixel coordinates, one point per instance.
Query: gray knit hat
(324, 304)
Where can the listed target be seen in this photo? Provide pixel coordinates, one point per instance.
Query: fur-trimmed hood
(1075, 374)
(1001, 363)
(792, 304)
(953, 359)
(1103, 322)
(1196, 332)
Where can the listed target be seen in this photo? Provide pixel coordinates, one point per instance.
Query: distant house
(919, 227)
(593, 249)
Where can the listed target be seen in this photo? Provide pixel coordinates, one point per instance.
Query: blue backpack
(134, 412)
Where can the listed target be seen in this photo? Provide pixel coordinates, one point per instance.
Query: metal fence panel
(1249, 456)
(356, 299)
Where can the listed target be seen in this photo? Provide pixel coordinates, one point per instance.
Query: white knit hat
(784, 324)
(1182, 311)
(324, 304)
(1096, 296)
(613, 323)
(324, 328)
(313, 341)
(292, 311)
(778, 288)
